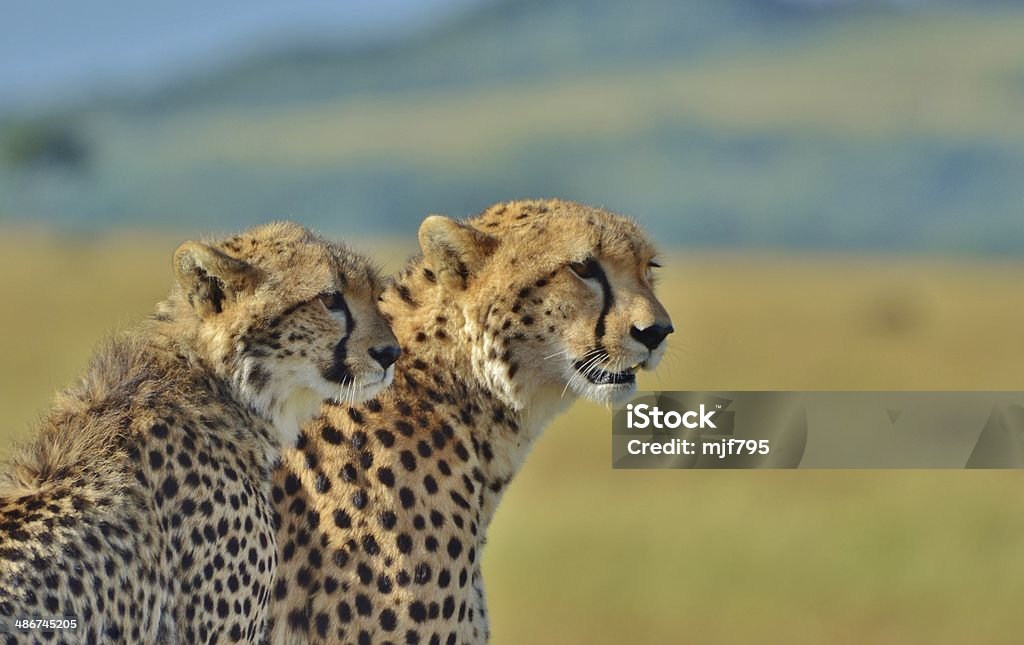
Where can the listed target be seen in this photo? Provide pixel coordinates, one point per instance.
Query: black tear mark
(609, 299)
(338, 371)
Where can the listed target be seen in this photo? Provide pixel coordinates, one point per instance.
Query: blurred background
(838, 188)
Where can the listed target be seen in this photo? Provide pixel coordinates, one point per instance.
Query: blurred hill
(828, 124)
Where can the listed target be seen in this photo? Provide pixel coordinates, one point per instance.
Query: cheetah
(141, 506)
(503, 321)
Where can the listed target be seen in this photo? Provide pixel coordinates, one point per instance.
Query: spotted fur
(140, 507)
(504, 320)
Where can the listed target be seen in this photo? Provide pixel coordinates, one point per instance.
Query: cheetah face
(558, 297)
(290, 320)
(613, 325)
(335, 346)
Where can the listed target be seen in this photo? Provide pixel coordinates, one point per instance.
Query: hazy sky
(53, 48)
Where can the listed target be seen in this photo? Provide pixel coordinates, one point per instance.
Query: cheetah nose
(651, 337)
(386, 355)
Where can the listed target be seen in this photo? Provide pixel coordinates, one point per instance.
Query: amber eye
(333, 301)
(586, 269)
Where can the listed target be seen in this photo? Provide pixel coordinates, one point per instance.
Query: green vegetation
(720, 123)
(582, 553)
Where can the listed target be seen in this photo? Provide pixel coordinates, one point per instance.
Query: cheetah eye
(651, 266)
(587, 269)
(333, 301)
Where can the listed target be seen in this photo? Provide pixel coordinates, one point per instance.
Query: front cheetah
(140, 509)
(385, 505)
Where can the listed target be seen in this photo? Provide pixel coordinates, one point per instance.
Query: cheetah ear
(453, 250)
(210, 277)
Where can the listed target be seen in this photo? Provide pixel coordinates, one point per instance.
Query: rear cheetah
(385, 505)
(140, 508)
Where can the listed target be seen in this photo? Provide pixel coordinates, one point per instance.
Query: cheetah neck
(439, 344)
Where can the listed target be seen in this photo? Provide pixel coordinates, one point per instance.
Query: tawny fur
(139, 507)
(505, 320)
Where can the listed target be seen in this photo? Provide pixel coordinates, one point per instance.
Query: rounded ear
(211, 278)
(454, 251)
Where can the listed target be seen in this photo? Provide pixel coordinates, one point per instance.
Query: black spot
(405, 295)
(422, 573)
(408, 460)
(386, 477)
(454, 547)
(298, 620)
(359, 499)
(423, 448)
(344, 612)
(459, 500)
(406, 497)
(170, 487)
(387, 520)
(388, 620)
(385, 437)
(340, 558)
(363, 605)
(365, 573)
(322, 622)
(437, 437)
(404, 427)
(370, 545)
(430, 484)
(322, 483)
(404, 543)
(291, 484)
(418, 611)
(331, 435)
(348, 473)
(342, 519)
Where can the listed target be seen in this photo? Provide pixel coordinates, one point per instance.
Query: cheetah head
(288, 318)
(558, 298)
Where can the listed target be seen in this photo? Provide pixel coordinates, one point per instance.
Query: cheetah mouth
(598, 376)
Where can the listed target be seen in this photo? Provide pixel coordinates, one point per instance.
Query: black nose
(386, 355)
(651, 336)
